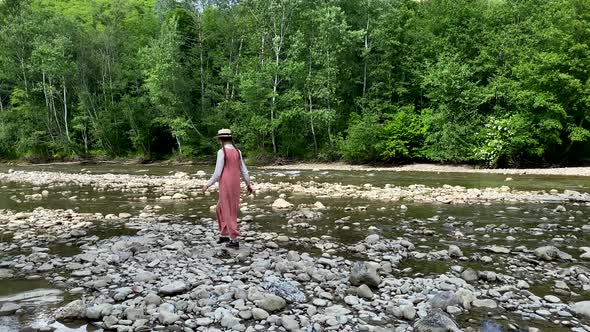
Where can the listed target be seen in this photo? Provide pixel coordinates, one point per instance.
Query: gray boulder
(436, 321)
(73, 310)
(272, 303)
(283, 288)
(550, 253)
(581, 308)
(362, 273)
(173, 288)
(443, 299)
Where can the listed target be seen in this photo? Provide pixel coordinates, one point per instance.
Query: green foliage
(404, 134)
(363, 138)
(491, 82)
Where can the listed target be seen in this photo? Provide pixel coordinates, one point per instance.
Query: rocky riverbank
(171, 276)
(434, 168)
(183, 186)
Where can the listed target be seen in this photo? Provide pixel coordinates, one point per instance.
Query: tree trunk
(179, 146)
(366, 57)
(202, 71)
(22, 66)
(315, 142)
(66, 110)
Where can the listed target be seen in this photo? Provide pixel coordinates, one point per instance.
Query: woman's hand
(250, 189)
(204, 189)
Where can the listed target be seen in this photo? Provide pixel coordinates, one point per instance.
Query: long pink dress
(229, 195)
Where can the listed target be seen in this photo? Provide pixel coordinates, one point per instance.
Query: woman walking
(228, 169)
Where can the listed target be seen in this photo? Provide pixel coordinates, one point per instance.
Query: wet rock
(498, 249)
(9, 308)
(73, 310)
(560, 208)
(281, 204)
(6, 274)
(490, 326)
(362, 273)
(173, 288)
(485, 303)
(581, 308)
(550, 253)
(436, 321)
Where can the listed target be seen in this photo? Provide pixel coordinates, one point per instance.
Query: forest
(488, 82)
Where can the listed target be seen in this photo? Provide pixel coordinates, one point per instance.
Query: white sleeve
(244, 170)
(218, 169)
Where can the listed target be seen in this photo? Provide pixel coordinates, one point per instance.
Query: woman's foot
(223, 239)
(233, 244)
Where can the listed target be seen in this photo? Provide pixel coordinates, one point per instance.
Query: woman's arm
(244, 171)
(218, 169)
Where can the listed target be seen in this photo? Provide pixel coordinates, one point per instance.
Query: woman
(228, 168)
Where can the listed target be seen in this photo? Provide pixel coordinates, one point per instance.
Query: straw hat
(223, 133)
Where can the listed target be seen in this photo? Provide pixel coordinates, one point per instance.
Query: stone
(283, 288)
(145, 276)
(408, 311)
(442, 300)
(469, 275)
(521, 284)
(73, 310)
(552, 299)
(259, 314)
(485, 303)
(272, 303)
(581, 308)
(550, 253)
(290, 323)
(498, 249)
(173, 288)
(455, 251)
(152, 298)
(435, 321)
(168, 318)
(362, 273)
(9, 308)
(465, 298)
(6, 274)
(365, 292)
(281, 204)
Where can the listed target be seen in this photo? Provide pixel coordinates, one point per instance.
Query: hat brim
(223, 136)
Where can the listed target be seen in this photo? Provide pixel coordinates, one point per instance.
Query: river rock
(281, 204)
(289, 323)
(455, 251)
(283, 288)
(408, 311)
(272, 303)
(442, 300)
(365, 292)
(9, 308)
(173, 288)
(259, 314)
(490, 326)
(73, 310)
(362, 273)
(550, 253)
(152, 298)
(436, 321)
(498, 249)
(581, 308)
(485, 303)
(6, 274)
(469, 275)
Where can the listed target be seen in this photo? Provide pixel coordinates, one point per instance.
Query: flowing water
(430, 227)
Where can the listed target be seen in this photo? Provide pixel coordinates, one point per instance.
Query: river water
(431, 227)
